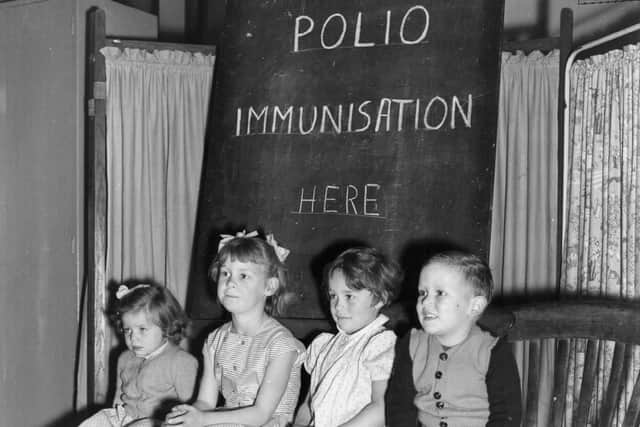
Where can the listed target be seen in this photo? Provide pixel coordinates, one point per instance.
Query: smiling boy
(450, 373)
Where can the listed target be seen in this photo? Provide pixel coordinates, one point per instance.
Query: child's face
(447, 307)
(244, 286)
(141, 335)
(351, 309)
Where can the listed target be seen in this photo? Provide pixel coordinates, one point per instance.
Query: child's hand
(184, 415)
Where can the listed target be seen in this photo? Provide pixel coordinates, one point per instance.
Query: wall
(41, 205)
(38, 215)
(523, 19)
(540, 18)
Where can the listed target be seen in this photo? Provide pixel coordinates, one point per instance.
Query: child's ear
(272, 286)
(381, 301)
(478, 304)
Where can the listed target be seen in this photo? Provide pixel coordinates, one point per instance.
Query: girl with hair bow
(154, 373)
(253, 361)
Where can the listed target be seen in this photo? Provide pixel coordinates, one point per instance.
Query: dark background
(435, 186)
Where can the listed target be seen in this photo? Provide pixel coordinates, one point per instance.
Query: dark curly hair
(368, 268)
(258, 251)
(159, 302)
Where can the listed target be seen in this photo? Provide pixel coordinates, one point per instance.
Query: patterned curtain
(602, 234)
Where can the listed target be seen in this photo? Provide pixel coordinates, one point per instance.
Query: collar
(375, 324)
(157, 351)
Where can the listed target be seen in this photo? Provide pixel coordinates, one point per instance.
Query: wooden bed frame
(566, 321)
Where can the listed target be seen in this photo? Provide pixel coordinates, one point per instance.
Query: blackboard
(338, 121)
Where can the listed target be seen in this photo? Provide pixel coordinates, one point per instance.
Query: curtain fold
(602, 231)
(156, 117)
(524, 216)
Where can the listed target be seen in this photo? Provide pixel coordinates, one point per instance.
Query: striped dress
(240, 362)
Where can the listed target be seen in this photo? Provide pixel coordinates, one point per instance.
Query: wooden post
(96, 207)
(566, 42)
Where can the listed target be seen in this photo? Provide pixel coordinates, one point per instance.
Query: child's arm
(371, 415)
(503, 388)
(270, 392)
(377, 360)
(117, 399)
(303, 417)
(185, 370)
(192, 416)
(399, 408)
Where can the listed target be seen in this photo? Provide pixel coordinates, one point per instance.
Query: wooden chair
(566, 321)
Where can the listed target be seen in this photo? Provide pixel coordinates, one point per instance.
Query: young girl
(349, 370)
(154, 373)
(253, 361)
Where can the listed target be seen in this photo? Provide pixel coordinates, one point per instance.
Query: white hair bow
(226, 238)
(123, 290)
(281, 253)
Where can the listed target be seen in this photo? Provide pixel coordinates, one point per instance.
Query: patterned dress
(344, 365)
(240, 363)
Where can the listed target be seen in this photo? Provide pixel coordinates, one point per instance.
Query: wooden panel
(560, 377)
(96, 210)
(150, 45)
(619, 368)
(589, 378)
(632, 417)
(596, 319)
(545, 45)
(533, 384)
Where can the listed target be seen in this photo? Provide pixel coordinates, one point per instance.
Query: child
(253, 361)
(349, 370)
(154, 373)
(451, 373)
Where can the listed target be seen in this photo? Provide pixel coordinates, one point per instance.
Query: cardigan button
(438, 374)
(443, 356)
(437, 395)
(440, 404)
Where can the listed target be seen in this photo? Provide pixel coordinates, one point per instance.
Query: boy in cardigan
(450, 373)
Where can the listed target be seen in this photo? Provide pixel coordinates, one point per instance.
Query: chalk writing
(335, 27)
(383, 115)
(347, 199)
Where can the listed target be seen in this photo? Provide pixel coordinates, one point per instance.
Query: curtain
(156, 117)
(524, 216)
(602, 232)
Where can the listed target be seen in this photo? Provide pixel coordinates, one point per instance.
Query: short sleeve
(378, 354)
(316, 346)
(213, 342)
(284, 343)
